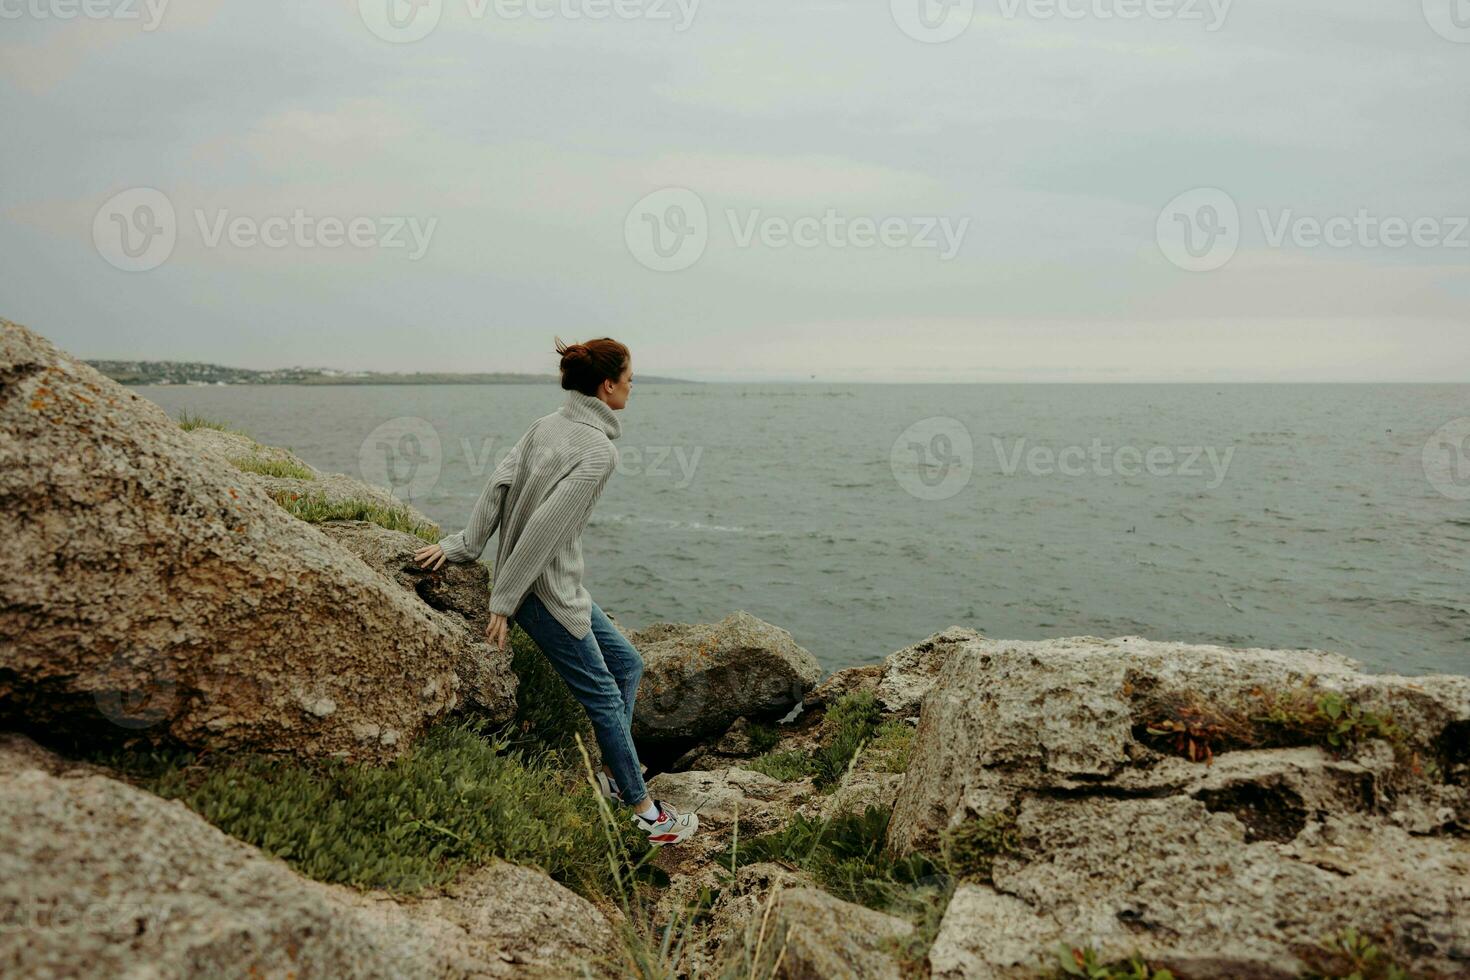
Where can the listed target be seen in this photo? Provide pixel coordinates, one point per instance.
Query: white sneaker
(671, 827)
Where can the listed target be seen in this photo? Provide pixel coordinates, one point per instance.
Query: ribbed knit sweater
(540, 497)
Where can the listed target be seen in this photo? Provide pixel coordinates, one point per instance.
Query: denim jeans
(602, 670)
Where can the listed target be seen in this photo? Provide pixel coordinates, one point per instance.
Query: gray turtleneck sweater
(540, 497)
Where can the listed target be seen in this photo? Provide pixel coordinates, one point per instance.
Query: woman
(540, 497)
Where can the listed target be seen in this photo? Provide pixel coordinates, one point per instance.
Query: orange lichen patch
(234, 494)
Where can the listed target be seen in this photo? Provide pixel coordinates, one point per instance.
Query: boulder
(762, 804)
(801, 931)
(149, 590)
(99, 878)
(906, 675)
(849, 680)
(697, 679)
(232, 447)
(459, 591)
(1242, 867)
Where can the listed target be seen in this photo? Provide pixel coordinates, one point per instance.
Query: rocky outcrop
(773, 922)
(100, 879)
(1237, 868)
(148, 590)
(908, 674)
(233, 448)
(720, 797)
(459, 591)
(697, 679)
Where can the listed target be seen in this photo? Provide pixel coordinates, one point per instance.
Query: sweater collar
(591, 410)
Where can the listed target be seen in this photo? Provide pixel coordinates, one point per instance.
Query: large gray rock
(235, 447)
(907, 675)
(98, 878)
(147, 590)
(722, 797)
(697, 679)
(1234, 869)
(460, 591)
(802, 932)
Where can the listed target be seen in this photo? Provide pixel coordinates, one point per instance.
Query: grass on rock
(316, 508)
(273, 467)
(456, 800)
(853, 721)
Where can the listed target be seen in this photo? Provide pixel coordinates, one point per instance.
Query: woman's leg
(622, 658)
(580, 663)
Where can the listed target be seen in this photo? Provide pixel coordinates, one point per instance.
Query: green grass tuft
(1073, 961)
(188, 422)
(971, 848)
(273, 467)
(788, 766)
(851, 721)
(457, 800)
(315, 508)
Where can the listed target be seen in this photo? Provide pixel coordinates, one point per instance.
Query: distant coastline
(200, 373)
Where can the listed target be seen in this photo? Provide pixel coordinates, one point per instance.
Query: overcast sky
(746, 189)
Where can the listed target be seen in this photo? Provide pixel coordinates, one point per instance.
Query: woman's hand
(430, 556)
(497, 631)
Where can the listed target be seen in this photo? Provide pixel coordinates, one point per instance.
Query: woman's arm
(554, 523)
(467, 545)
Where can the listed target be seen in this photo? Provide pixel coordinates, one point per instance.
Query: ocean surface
(863, 518)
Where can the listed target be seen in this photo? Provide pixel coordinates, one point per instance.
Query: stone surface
(762, 804)
(106, 880)
(227, 447)
(907, 675)
(149, 590)
(459, 591)
(811, 934)
(697, 679)
(1234, 869)
(849, 680)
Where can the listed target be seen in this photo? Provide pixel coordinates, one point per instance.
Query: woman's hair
(585, 366)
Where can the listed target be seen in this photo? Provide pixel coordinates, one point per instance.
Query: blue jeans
(602, 670)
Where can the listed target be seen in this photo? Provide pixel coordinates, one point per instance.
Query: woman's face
(616, 393)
